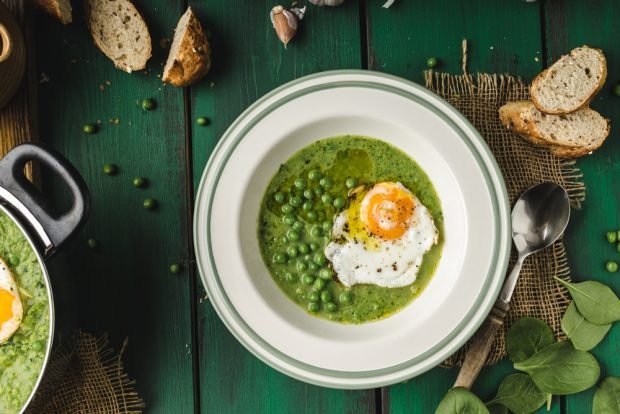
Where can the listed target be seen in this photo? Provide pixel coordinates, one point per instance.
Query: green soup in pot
(22, 356)
(297, 214)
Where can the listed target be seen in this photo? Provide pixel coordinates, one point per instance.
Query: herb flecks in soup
(350, 229)
(22, 355)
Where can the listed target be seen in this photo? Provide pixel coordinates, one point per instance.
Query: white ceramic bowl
(476, 229)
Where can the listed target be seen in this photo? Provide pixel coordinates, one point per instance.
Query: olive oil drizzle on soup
(296, 218)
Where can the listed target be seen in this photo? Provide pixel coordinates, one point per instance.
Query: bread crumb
(101, 88)
(536, 59)
(108, 83)
(114, 121)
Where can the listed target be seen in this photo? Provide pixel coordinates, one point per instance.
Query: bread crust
(542, 76)
(192, 61)
(103, 47)
(576, 152)
(52, 7)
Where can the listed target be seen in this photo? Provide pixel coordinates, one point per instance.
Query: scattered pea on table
(611, 236)
(432, 62)
(611, 266)
(92, 243)
(149, 204)
(110, 169)
(202, 121)
(148, 104)
(138, 182)
(175, 268)
(89, 128)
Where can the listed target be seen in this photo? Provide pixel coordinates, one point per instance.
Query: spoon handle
(480, 345)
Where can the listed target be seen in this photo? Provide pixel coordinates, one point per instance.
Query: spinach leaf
(526, 337)
(560, 369)
(595, 301)
(519, 394)
(607, 397)
(461, 401)
(583, 334)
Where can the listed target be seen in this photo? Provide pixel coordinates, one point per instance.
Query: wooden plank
(248, 62)
(572, 23)
(502, 37)
(124, 285)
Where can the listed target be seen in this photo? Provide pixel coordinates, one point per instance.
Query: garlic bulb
(285, 22)
(327, 2)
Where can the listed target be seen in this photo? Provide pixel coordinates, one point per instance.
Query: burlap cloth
(86, 376)
(523, 165)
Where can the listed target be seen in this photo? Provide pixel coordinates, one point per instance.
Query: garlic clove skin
(285, 22)
(332, 3)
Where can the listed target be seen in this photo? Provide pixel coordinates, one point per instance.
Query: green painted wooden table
(183, 358)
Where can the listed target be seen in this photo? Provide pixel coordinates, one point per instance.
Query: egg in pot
(11, 308)
(381, 238)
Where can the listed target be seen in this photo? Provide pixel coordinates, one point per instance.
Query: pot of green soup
(31, 231)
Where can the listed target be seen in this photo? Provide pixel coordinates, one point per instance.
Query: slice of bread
(120, 32)
(59, 9)
(571, 82)
(568, 135)
(189, 59)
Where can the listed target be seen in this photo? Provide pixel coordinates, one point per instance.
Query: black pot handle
(28, 201)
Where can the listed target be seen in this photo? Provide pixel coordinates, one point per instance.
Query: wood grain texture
(249, 61)
(572, 23)
(502, 37)
(125, 287)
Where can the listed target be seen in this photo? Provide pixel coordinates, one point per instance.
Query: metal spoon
(539, 218)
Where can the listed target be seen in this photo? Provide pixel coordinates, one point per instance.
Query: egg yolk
(386, 210)
(6, 306)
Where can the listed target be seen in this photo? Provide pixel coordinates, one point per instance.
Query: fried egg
(381, 238)
(11, 308)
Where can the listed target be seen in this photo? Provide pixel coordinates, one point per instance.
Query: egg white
(386, 263)
(8, 284)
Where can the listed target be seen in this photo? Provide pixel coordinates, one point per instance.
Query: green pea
(319, 258)
(149, 204)
(312, 216)
(279, 198)
(313, 266)
(307, 206)
(148, 104)
(292, 251)
(279, 258)
(316, 231)
(351, 182)
(314, 246)
(339, 202)
(290, 277)
(293, 235)
(175, 268)
(288, 219)
(617, 90)
(287, 208)
(308, 258)
(313, 307)
(300, 183)
(325, 274)
(345, 298)
(431, 62)
(312, 295)
(89, 128)
(299, 291)
(301, 266)
(37, 346)
(298, 226)
(314, 175)
(319, 191)
(319, 284)
(611, 266)
(307, 279)
(308, 194)
(326, 182)
(327, 226)
(13, 260)
(327, 198)
(295, 201)
(326, 295)
(611, 236)
(303, 248)
(138, 182)
(203, 121)
(284, 240)
(330, 307)
(110, 169)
